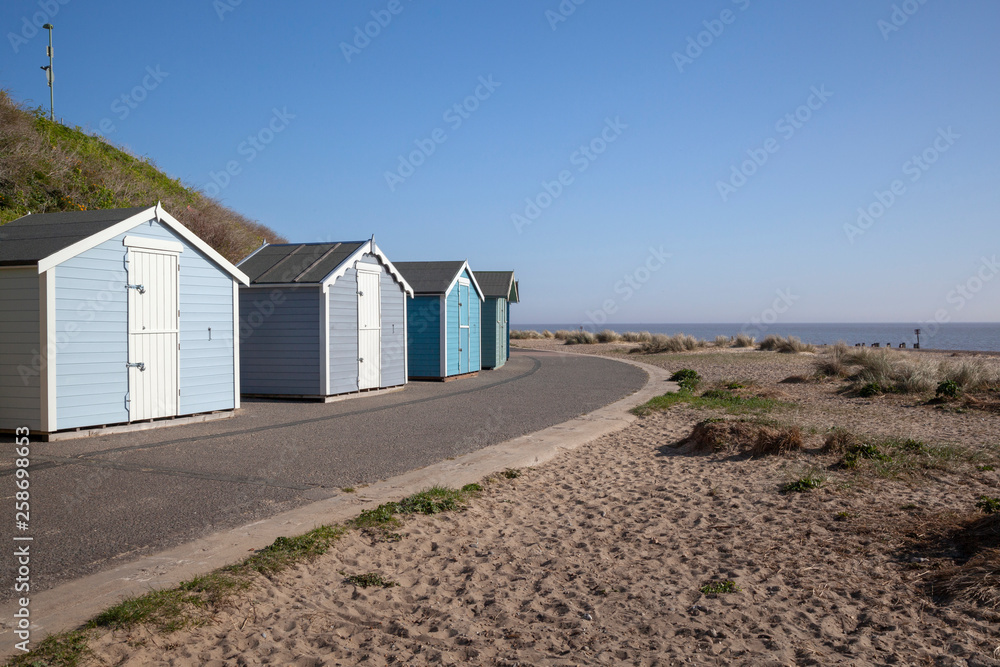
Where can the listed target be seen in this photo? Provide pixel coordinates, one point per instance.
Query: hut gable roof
(48, 239)
(311, 263)
(498, 285)
(30, 239)
(436, 277)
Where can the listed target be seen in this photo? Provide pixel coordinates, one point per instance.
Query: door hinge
(361, 360)
(139, 288)
(141, 366)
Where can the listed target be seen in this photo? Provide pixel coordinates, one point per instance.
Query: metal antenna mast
(50, 76)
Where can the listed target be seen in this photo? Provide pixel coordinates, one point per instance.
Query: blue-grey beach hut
(444, 336)
(501, 290)
(113, 317)
(322, 319)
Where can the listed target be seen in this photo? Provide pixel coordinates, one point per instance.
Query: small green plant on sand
(370, 579)
(713, 399)
(870, 389)
(986, 467)
(806, 483)
(687, 378)
(865, 450)
(511, 473)
(948, 389)
(69, 649)
(843, 516)
(720, 587)
(988, 505)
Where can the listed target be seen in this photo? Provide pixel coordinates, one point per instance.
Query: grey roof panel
(497, 284)
(298, 263)
(28, 240)
(429, 277)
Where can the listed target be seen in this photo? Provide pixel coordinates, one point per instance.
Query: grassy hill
(47, 167)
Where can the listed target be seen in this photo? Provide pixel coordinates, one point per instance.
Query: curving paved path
(99, 502)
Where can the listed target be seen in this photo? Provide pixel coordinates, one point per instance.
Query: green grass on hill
(47, 167)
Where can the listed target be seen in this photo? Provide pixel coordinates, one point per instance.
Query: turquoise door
(464, 341)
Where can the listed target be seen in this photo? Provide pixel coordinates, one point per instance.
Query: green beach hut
(501, 290)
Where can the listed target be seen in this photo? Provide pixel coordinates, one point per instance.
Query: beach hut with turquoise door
(501, 290)
(320, 320)
(444, 316)
(113, 317)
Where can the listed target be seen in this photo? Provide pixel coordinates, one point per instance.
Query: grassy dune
(47, 167)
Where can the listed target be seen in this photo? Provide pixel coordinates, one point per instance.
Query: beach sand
(598, 556)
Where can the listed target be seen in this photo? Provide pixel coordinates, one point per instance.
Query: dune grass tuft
(580, 338)
(608, 336)
(790, 345)
(677, 343)
(527, 334)
(637, 336)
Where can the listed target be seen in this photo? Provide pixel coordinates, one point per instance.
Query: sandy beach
(610, 554)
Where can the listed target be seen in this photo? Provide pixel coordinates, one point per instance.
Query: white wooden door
(153, 334)
(369, 329)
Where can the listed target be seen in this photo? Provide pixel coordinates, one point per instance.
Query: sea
(978, 336)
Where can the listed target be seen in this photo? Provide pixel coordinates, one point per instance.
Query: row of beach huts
(118, 317)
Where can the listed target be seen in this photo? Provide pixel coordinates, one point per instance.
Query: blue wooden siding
(475, 322)
(423, 336)
(344, 333)
(456, 365)
(393, 331)
(91, 378)
(20, 374)
(280, 340)
(494, 335)
(92, 381)
(207, 362)
(451, 328)
(506, 306)
(489, 334)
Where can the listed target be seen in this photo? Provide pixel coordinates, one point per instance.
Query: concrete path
(206, 495)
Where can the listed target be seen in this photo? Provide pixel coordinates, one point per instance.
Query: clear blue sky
(679, 124)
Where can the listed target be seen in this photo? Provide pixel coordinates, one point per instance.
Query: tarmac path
(101, 501)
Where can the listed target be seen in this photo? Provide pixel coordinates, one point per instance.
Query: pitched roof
(28, 240)
(312, 263)
(430, 277)
(498, 285)
(49, 239)
(297, 263)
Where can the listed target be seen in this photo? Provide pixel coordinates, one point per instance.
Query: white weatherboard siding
(91, 314)
(20, 372)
